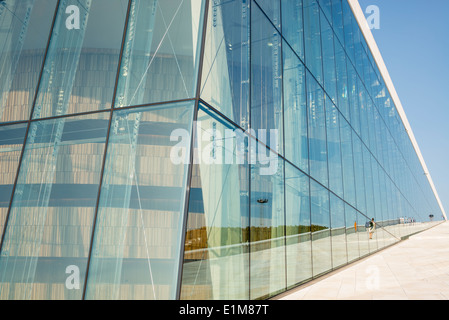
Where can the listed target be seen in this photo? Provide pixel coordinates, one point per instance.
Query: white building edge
(366, 31)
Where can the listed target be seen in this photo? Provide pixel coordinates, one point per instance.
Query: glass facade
(195, 149)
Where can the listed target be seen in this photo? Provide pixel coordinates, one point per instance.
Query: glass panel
(352, 237)
(137, 239)
(329, 73)
(317, 131)
(216, 259)
(342, 80)
(267, 223)
(297, 212)
(326, 7)
(293, 25)
(312, 39)
(47, 239)
(11, 142)
(353, 95)
(160, 57)
(266, 79)
(225, 79)
(359, 173)
(272, 10)
(347, 161)
(363, 232)
(321, 241)
(295, 110)
(347, 26)
(337, 19)
(370, 210)
(334, 148)
(338, 231)
(378, 204)
(81, 64)
(25, 29)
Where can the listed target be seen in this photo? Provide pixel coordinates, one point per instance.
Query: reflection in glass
(312, 39)
(216, 259)
(272, 9)
(137, 239)
(160, 56)
(266, 80)
(334, 148)
(352, 237)
(267, 221)
(342, 80)
(25, 26)
(11, 142)
(225, 79)
(359, 173)
(81, 64)
(329, 71)
(50, 224)
(347, 161)
(295, 110)
(317, 131)
(320, 219)
(298, 237)
(338, 231)
(293, 26)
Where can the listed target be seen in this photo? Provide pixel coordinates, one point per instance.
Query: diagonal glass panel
(24, 30)
(82, 59)
(11, 142)
(137, 239)
(293, 25)
(216, 259)
(329, 70)
(272, 9)
(47, 239)
(225, 78)
(161, 52)
(312, 39)
(295, 110)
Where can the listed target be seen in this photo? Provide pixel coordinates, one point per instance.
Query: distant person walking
(372, 226)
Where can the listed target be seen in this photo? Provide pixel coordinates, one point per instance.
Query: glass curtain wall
(194, 149)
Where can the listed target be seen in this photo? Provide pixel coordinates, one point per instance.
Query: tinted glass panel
(25, 27)
(216, 259)
(47, 239)
(137, 239)
(160, 57)
(81, 64)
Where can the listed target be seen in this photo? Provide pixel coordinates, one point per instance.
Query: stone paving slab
(413, 269)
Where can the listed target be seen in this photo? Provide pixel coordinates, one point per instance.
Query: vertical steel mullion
(28, 125)
(89, 258)
(192, 153)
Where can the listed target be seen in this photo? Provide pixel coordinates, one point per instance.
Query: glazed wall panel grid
(195, 149)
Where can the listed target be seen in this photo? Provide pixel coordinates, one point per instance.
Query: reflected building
(196, 149)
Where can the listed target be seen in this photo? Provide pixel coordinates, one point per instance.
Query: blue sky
(414, 42)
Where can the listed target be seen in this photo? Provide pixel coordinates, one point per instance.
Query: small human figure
(372, 226)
